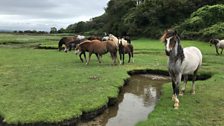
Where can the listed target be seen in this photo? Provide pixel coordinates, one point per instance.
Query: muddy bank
(200, 76)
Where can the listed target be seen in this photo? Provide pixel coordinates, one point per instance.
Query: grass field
(51, 86)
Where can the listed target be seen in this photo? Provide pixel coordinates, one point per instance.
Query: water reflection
(136, 101)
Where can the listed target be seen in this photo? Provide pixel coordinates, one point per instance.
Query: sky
(41, 15)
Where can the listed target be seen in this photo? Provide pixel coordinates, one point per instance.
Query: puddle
(135, 102)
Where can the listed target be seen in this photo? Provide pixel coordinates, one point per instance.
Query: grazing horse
(218, 44)
(125, 49)
(65, 41)
(181, 61)
(97, 47)
(70, 42)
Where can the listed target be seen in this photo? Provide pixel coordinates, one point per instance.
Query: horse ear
(163, 37)
(175, 32)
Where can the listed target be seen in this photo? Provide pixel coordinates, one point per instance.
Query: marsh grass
(51, 86)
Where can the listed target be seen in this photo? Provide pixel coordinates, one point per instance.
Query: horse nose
(167, 53)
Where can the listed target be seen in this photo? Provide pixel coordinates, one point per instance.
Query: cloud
(43, 14)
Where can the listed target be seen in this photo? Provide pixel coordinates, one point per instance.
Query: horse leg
(123, 58)
(184, 87)
(120, 53)
(89, 58)
(193, 80)
(222, 51)
(80, 56)
(66, 49)
(132, 55)
(177, 82)
(217, 50)
(173, 86)
(115, 56)
(129, 55)
(98, 57)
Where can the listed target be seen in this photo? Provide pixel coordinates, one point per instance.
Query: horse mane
(180, 53)
(163, 37)
(168, 33)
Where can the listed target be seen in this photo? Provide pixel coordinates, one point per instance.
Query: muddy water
(136, 101)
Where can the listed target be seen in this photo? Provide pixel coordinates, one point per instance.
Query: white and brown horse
(219, 44)
(116, 40)
(181, 61)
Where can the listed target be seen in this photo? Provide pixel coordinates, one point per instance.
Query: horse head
(170, 39)
(77, 49)
(214, 41)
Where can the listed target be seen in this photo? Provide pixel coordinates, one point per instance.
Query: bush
(205, 23)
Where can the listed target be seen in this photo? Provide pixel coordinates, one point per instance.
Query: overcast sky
(43, 14)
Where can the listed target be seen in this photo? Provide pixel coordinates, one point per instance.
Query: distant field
(50, 86)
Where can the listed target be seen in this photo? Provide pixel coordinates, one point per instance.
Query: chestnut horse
(97, 47)
(181, 61)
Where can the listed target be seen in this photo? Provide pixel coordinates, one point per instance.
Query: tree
(53, 30)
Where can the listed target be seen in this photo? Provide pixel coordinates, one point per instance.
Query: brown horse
(70, 42)
(94, 38)
(125, 49)
(97, 47)
(67, 42)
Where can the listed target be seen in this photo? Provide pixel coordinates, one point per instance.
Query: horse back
(221, 44)
(128, 48)
(192, 60)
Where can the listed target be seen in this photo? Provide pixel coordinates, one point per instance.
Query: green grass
(51, 86)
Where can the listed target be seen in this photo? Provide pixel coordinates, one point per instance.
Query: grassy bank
(51, 86)
(203, 109)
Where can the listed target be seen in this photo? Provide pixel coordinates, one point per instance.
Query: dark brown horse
(97, 47)
(125, 49)
(94, 38)
(70, 42)
(67, 42)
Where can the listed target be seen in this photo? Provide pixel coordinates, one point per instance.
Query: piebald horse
(116, 40)
(181, 61)
(218, 44)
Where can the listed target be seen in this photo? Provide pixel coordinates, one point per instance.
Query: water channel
(137, 99)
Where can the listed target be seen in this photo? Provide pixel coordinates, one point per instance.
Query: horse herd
(98, 46)
(181, 61)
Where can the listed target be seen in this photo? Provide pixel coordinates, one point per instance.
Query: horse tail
(60, 43)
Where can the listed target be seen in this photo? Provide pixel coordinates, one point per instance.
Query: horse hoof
(181, 93)
(176, 105)
(173, 98)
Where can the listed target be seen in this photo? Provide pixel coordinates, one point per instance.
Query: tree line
(141, 18)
